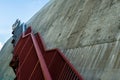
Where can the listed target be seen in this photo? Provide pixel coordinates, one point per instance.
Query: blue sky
(10, 10)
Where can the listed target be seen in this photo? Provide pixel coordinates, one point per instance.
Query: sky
(10, 10)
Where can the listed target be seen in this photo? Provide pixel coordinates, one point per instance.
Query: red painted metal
(37, 63)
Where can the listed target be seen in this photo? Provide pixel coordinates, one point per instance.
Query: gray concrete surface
(87, 31)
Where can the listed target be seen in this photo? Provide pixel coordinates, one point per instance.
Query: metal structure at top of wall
(31, 60)
(18, 28)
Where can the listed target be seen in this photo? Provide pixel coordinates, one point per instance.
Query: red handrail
(35, 62)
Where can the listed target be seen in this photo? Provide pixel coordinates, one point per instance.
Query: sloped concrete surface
(87, 31)
(6, 72)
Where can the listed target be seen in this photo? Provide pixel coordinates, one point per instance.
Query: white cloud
(1, 45)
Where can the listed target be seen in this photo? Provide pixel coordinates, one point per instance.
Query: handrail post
(45, 71)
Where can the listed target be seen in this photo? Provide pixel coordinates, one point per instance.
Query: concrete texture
(87, 31)
(6, 72)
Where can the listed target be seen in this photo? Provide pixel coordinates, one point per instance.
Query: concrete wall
(87, 31)
(6, 72)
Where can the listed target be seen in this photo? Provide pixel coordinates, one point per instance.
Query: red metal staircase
(31, 60)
